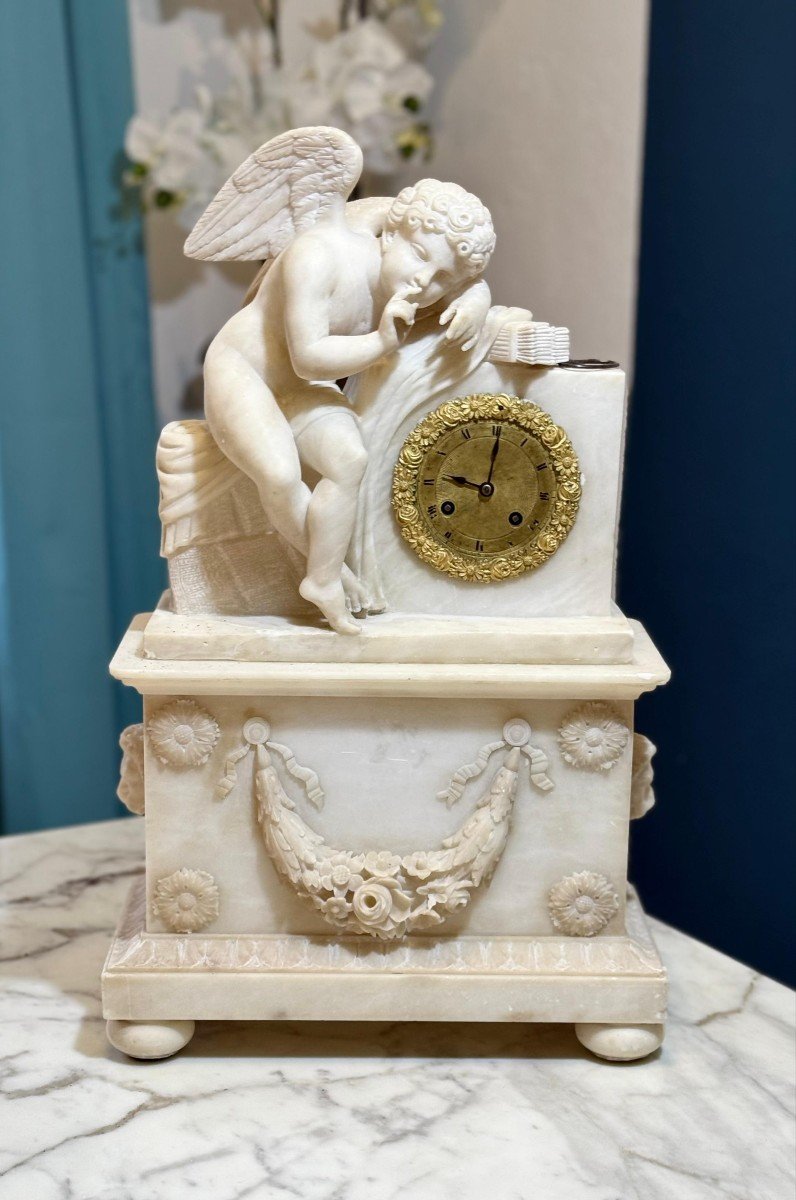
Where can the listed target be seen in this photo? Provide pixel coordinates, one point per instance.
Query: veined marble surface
(366, 1112)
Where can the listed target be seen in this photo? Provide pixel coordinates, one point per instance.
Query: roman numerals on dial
(490, 486)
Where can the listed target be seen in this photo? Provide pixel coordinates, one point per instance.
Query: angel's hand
(465, 317)
(399, 308)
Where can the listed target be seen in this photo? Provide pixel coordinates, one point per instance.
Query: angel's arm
(314, 352)
(466, 312)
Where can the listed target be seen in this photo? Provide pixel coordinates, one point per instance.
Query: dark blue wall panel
(708, 549)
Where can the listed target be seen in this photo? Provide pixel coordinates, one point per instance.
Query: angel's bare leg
(251, 429)
(332, 446)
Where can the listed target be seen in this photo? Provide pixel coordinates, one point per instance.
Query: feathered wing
(279, 191)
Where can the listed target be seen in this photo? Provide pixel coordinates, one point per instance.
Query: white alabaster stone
(620, 1043)
(579, 578)
(339, 287)
(364, 1110)
(142, 1039)
(627, 681)
(381, 768)
(147, 978)
(391, 637)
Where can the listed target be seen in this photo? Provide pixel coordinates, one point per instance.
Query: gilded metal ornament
(486, 487)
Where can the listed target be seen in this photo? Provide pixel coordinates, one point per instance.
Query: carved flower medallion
(182, 734)
(335, 908)
(593, 737)
(339, 874)
(582, 904)
(186, 901)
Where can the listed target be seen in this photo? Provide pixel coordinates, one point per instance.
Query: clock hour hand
(460, 481)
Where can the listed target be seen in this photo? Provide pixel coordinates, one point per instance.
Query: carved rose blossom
(582, 904)
(592, 737)
(382, 906)
(186, 901)
(182, 734)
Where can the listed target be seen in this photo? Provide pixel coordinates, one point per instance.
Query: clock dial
(486, 487)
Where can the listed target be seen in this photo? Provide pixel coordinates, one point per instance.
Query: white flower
(182, 734)
(382, 907)
(142, 139)
(170, 149)
(336, 908)
(362, 80)
(186, 901)
(420, 864)
(382, 862)
(592, 737)
(582, 904)
(338, 874)
(415, 24)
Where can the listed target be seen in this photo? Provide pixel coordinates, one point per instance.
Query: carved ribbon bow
(515, 733)
(257, 733)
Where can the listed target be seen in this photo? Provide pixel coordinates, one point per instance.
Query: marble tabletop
(366, 1112)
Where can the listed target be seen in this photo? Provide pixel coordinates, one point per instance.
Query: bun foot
(620, 1043)
(149, 1039)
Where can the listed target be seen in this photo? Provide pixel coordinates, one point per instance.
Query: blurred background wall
(547, 110)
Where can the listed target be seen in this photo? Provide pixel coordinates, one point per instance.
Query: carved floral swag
(376, 892)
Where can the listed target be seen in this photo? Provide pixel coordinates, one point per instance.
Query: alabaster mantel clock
(387, 762)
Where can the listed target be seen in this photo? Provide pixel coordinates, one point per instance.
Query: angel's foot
(330, 599)
(356, 593)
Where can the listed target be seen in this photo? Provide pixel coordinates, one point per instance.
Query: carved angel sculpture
(340, 285)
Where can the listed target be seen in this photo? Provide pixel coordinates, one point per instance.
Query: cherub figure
(340, 286)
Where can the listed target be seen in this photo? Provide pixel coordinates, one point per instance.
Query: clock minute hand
(495, 449)
(462, 482)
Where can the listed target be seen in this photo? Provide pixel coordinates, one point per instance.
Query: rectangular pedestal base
(164, 977)
(390, 638)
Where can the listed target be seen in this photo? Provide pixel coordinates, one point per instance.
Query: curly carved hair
(446, 208)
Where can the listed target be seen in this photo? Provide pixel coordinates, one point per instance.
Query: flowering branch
(366, 78)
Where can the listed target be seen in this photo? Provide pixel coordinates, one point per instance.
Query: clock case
(387, 723)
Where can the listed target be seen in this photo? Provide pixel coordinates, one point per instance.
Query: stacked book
(533, 342)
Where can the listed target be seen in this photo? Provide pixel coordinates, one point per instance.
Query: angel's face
(422, 262)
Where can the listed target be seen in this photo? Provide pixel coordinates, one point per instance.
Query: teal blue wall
(79, 534)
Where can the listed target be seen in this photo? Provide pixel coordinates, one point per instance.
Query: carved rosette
(131, 776)
(186, 901)
(182, 734)
(593, 737)
(582, 904)
(378, 893)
